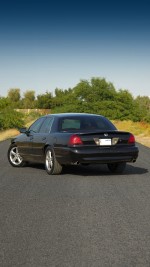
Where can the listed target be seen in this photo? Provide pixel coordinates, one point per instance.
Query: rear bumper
(75, 155)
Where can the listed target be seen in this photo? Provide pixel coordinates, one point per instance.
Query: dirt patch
(143, 140)
(8, 134)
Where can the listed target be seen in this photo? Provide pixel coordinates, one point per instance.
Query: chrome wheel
(49, 160)
(15, 157)
(52, 166)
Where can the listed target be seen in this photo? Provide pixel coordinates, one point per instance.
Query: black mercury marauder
(73, 138)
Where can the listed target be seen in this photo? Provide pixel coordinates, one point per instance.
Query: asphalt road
(85, 217)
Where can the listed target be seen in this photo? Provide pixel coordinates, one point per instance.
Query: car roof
(72, 114)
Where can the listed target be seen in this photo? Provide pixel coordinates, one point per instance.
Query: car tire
(117, 167)
(14, 157)
(52, 166)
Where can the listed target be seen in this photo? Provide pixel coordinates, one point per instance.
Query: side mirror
(24, 130)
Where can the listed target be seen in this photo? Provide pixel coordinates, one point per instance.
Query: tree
(4, 102)
(14, 94)
(29, 98)
(143, 103)
(61, 100)
(124, 105)
(44, 101)
(102, 89)
(95, 96)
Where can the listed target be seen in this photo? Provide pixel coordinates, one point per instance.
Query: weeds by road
(141, 130)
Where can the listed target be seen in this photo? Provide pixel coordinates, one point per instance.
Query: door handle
(44, 138)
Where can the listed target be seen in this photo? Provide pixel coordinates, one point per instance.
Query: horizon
(44, 45)
(53, 92)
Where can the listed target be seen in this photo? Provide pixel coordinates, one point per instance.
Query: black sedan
(71, 139)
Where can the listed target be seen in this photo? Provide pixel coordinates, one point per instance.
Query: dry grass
(8, 134)
(141, 131)
(11, 132)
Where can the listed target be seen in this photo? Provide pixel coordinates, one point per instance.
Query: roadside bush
(10, 118)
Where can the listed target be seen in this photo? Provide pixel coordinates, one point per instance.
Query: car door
(40, 138)
(25, 145)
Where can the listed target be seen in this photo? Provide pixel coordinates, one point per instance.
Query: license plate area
(105, 142)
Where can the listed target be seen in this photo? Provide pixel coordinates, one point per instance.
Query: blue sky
(44, 45)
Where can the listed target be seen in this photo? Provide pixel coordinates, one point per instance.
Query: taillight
(75, 140)
(131, 139)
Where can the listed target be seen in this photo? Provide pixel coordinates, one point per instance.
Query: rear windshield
(87, 123)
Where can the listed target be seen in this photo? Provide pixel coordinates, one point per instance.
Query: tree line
(95, 96)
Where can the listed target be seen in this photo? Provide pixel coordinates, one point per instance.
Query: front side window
(36, 125)
(46, 126)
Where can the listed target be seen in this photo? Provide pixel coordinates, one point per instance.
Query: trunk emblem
(105, 134)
